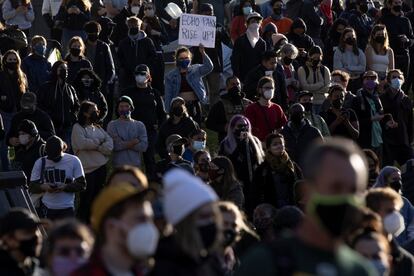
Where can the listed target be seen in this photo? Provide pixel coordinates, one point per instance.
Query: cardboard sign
(196, 29)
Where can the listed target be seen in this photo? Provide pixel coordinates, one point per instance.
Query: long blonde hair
(373, 44)
(21, 77)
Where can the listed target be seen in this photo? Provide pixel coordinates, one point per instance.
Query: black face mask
(234, 91)
(229, 237)
(337, 104)
(262, 225)
(238, 131)
(11, 65)
(296, 118)
(133, 31)
(363, 8)
(75, 52)
(94, 118)
(177, 110)
(316, 63)
(178, 150)
(93, 37)
(379, 39)
(287, 60)
(397, 8)
(63, 74)
(396, 185)
(350, 41)
(208, 234)
(28, 247)
(29, 110)
(308, 106)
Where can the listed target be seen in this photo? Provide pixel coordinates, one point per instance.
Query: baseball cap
(175, 139)
(142, 68)
(254, 15)
(18, 219)
(110, 197)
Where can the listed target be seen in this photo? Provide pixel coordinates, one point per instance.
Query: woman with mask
(72, 16)
(224, 182)
(265, 116)
(282, 23)
(239, 22)
(13, 86)
(246, 153)
(201, 164)
(288, 54)
(87, 85)
(375, 247)
(36, 66)
(391, 177)
(93, 146)
(69, 246)
(76, 59)
(379, 54)
(349, 58)
(332, 40)
(179, 122)
(58, 176)
(315, 77)
(60, 101)
(238, 236)
(275, 178)
(186, 82)
(193, 247)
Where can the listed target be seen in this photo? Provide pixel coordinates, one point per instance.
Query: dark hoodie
(293, 9)
(268, 30)
(300, 41)
(132, 53)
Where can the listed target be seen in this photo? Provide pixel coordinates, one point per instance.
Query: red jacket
(265, 119)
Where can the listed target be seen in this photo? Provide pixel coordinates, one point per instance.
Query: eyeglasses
(65, 251)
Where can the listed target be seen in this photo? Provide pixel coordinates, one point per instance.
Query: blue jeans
(4, 149)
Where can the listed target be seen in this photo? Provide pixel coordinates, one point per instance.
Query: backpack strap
(321, 69)
(42, 169)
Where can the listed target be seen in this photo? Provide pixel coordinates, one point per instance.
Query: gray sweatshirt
(123, 131)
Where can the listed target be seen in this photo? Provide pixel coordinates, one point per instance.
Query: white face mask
(254, 27)
(135, 9)
(394, 223)
(140, 79)
(268, 94)
(24, 139)
(142, 240)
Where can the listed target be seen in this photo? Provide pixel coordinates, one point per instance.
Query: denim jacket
(195, 74)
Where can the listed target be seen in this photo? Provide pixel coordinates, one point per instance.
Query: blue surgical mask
(380, 267)
(39, 49)
(65, 266)
(396, 83)
(247, 10)
(183, 64)
(199, 145)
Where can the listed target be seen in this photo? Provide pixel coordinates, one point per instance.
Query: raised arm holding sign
(197, 29)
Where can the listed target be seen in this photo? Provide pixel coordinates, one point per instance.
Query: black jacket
(297, 142)
(9, 93)
(26, 158)
(275, 188)
(400, 107)
(171, 260)
(402, 261)
(363, 111)
(121, 29)
(233, 194)
(222, 111)
(253, 77)
(41, 119)
(60, 102)
(9, 266)
(362, 25)
(245, 57)
(185, 127)
(73, 21)
(132, 53)
(148, 106)
(397, 25)
(312, 16)
(103, 63)
(75, 66)
(95, 96)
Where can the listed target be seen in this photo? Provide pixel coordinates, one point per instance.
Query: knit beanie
(183, 194)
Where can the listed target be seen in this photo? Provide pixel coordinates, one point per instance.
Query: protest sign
(195, 29)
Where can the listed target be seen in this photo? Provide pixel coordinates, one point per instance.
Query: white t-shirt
(70, 168)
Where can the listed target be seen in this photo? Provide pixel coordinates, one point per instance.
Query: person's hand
(132, 143)
(173, 23)
(404, 38)
(201, 49)
(377, 117)
(48, 187)
(392, 124)
(14, 141)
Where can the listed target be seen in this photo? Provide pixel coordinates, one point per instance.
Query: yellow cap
(108, 198)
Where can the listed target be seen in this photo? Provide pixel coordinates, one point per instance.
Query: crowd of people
(311, 171)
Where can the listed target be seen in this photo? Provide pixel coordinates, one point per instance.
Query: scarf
(326, 10)
(253, 37)
(281, 164)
